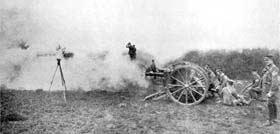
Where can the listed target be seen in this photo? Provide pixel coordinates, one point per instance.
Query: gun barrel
(154, 74)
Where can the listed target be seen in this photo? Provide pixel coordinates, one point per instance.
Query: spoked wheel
(187, 84)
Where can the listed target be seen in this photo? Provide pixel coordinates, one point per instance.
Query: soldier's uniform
(255, 92)
(213, 81)
(153, 68)
(223, 81)
(270, 86)
(131, 51)
(229, 95)
(211, 75)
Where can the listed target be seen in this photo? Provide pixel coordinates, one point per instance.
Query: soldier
(153, 68)
(131, 51)
(270, 86)
(213, 80)
(223, 80)
(210, 73)
(255, 90)
(229, 94)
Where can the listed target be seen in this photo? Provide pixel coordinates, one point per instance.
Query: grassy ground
(120, 113)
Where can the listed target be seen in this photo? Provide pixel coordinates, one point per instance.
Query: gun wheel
(187, 84)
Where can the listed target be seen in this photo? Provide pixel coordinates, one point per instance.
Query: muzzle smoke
(24, 36)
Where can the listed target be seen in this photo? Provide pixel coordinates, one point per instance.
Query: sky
(163, 28)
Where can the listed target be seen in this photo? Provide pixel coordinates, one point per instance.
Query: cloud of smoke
(105, 70)
(27, 33)
(97, 70)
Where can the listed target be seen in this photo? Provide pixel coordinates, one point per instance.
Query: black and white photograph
(139, 66)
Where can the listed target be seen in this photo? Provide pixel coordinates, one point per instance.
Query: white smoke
(97, 64)
(100, 70)
(105, 70)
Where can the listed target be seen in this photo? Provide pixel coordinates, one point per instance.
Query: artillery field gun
(185, 83)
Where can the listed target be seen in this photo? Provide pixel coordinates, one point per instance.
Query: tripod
(62, 78)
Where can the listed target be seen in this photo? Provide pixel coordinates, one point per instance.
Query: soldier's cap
(269, 56)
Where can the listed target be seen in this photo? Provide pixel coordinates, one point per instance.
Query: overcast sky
(165, 28)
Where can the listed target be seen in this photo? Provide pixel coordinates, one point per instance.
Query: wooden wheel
(187, 84)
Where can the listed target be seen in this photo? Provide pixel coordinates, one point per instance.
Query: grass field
(100, 112)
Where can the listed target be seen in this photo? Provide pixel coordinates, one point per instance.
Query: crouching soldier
(230, 96)
(270, 86)
(255, 91)
(222, 82)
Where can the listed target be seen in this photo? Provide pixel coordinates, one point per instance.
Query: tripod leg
(63, 83)
(53, 78)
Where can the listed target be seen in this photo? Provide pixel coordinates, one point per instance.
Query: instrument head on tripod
(58, 48)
